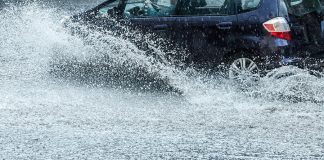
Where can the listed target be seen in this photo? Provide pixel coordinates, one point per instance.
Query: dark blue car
(248, 35)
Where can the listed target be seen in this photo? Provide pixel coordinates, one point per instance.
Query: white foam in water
(294, 84)
(43, 117)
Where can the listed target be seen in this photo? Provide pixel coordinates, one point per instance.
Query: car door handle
(225, 25)
(161, 27)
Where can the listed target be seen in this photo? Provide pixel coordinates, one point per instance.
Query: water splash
(42, 118)
(27, 36)
(33, 40)
(292, 84)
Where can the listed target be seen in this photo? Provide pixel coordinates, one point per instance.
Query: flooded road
(48, 117)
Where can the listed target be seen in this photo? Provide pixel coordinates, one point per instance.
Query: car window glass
(205, 7)
(104, 11)
(250, 4)
(134, 8)
(152, 8)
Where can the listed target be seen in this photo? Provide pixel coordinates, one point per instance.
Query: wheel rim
(244, 70)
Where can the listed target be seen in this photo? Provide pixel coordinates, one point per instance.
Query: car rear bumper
(275, 52)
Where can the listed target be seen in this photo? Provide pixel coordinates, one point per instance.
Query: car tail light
(278, 27)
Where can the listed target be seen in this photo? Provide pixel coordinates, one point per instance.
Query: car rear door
(208, 27)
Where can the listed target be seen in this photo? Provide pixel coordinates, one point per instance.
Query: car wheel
(244, 70)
